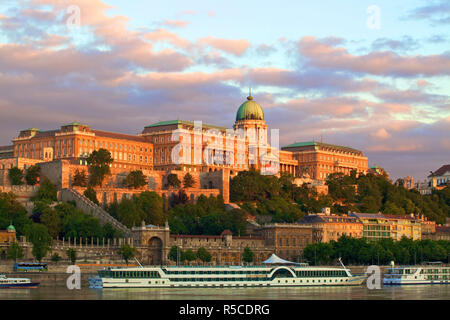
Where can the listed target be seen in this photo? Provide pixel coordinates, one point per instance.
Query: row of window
(321, 273)
(129, 274)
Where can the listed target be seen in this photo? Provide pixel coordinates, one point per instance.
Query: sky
(372, 75)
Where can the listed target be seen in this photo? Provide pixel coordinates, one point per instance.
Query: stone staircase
(87, 206)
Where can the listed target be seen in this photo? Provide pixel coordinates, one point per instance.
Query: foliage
(32, 175)
(39, 236)
(189, 255)
(129, 213)
(12, 212)
(173, 181)
(135, 179)
(175, 254)
(55, 257)
(80, 178)
(180, 198)
(51, 219)
(248, 255)
(91, 194)
(47, 191)
(15, 176)
(14, 252)
(203, 255)
(188, 180)
(362, 251)
(151, 205)
(72, 255)
(99, 166)
(127, 252)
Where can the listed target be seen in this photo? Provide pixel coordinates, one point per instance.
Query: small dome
(11, 228)
(250, 110)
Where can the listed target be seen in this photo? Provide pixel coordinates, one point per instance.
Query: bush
(32, 176)
(15, 176)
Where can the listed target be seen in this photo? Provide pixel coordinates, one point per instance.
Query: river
(415, 292)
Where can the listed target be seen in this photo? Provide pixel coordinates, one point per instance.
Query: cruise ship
(273, 275)
(9, 283)
(429, 273)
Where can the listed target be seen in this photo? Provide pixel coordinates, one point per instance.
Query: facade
(318, 160)
(440, 178)
(285, 240)
(378, 226)
(332, 226)
(189, 146)
(76, 141)
(8, 236)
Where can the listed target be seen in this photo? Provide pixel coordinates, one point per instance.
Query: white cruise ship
(429, 273)
(274, 275)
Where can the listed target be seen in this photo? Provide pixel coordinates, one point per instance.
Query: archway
(155, 251)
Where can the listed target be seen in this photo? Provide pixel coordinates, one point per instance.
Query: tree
(189, 255)
(72, 255)
(32, 176)
(129, 213)
(56, 257)
(248, 255)
(188, 180)
(175, 254)
(173, 181)
(91, 194)
(47, 191)
(80, 178)
(135, 179)
(39, 236)
(126, 252)
(15, 176)
(151, 205)
(203, 254)
(99, 166)
(50, 218)
(14, 252)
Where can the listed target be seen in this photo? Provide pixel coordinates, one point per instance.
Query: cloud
(437, 12)
(386, 63)
(175, 23)
(235, 47)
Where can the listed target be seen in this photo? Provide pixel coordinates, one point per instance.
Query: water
(414, 292)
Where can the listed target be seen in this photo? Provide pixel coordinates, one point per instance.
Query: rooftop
(441, 171)
(315, 143)
(181, 122)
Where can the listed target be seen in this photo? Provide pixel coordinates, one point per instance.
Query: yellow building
(377, 226)
(332, 227)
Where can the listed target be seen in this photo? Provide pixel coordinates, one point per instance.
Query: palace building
(186, 146)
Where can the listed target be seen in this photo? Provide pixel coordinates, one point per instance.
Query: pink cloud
(176, 23)
(235, 47)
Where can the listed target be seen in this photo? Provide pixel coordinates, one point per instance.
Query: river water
(415, 292)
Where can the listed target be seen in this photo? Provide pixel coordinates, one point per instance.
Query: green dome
(11, 228)
(250, 110)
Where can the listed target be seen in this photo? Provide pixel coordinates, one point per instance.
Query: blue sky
(316, 68)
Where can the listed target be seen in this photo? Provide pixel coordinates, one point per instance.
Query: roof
(369, 215)
(122, 136)
(185, 122)
(250, 110)
(315, 218)
(6, 148)
(315, 143)
(11, 228)
(274, 259)
(441, 171)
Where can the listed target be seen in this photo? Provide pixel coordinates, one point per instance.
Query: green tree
(135, 179)
(13, 212)
(80, 178)
(173, 181)
(248, 255)
(99, 162)
(91, 194)
(129, 213)
(203, 255)
(56, 257)
(175, 254)
(72, 255)
(47, 191)
(38, 235)
(50, 218)
(189, 255)
(127, 252)
(32, 175)
(14, 252)
(15, 176)
(188, 180)
(151, 205)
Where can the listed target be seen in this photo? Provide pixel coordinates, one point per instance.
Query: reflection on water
(416, 292)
